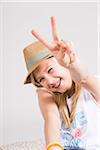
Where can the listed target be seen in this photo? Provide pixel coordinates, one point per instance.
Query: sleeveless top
(85, 127)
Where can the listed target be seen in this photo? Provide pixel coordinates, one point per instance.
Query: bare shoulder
(44, 93)
(47, 103)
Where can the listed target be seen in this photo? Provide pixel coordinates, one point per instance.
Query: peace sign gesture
(62, 50)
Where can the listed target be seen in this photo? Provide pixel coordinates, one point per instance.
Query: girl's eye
(41, 79)
(51, 69)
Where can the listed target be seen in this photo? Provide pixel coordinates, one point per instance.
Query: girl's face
(53, 76)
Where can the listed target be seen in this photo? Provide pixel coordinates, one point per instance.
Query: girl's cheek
(55, 73)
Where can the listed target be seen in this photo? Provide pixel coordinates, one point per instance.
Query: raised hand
(62, 50)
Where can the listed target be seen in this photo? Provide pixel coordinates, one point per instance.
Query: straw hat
(34, 54)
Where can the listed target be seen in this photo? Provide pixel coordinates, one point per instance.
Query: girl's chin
(62, 87)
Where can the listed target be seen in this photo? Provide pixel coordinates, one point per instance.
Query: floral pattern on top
(72, 137)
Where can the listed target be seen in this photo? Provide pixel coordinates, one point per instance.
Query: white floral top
(85, 128)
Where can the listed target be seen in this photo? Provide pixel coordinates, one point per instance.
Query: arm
(65, 49)
(51, 117)
(80, 74)
(93, 85)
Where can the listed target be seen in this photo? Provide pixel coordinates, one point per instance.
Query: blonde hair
(60, 99)
(61, 102)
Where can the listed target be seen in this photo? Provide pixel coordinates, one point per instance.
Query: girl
(69, 96)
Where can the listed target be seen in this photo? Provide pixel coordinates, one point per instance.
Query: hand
(62, 50)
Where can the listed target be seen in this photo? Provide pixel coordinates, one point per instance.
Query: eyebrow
(50, 57)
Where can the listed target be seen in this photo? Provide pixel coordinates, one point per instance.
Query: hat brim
(28, 79)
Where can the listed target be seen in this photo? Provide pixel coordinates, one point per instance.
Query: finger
(62, 57)
(59, 56)
(68, 46)
(69, 50)
(34, 33)
(54, 31)
(72, 57)
(66, 60)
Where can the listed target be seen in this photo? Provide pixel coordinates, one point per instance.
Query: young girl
(69, 96)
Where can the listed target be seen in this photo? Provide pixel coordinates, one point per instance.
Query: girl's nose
(50, 82)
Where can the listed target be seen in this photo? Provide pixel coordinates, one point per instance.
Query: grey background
(20, 117)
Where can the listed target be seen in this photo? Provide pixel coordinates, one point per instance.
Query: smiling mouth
(58, 84)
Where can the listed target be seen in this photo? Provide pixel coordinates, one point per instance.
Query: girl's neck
(71, 91)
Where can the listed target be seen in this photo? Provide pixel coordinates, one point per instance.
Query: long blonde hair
(60, 99)
(61, 102)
